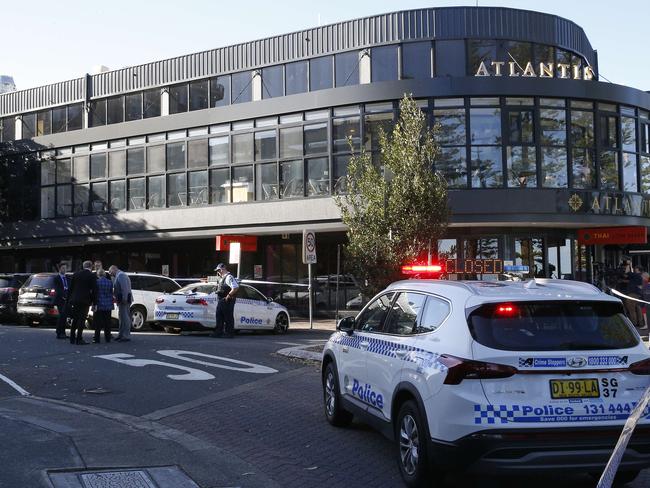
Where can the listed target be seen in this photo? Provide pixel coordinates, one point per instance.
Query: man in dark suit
(61, 287)
(82, 294)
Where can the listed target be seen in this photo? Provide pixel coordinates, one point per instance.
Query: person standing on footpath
(226, 293)
(123, 298)
(83, 291)
(103, 307)
(61, 286)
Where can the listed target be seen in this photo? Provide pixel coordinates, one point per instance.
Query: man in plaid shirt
(103, 306)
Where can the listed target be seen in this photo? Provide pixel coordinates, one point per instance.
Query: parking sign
(308, 247)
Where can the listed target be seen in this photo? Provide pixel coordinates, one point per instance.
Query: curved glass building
(144, 166)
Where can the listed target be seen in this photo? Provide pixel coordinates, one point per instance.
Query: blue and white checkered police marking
(495, 414)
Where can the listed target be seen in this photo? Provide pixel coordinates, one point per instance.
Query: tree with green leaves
(394, 210)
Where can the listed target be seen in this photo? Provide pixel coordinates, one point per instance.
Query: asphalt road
(236, 394)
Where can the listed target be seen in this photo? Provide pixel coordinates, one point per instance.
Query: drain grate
(117, 479)
(150, 477)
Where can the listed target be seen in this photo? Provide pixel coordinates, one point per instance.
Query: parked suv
(36, 300)
(496, 377)
(10, 283)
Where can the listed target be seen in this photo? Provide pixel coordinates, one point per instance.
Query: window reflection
(485, 125)
(522, 167)
(554, 167)
(318, 181)
(487, 167)
(242, 184)
(220, 185)
(609, 170)
(451, 162)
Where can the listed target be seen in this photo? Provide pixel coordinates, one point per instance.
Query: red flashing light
(421, 268)
(506, 309)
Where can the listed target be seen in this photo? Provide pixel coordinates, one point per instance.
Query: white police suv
(193, 308)
(492, 377)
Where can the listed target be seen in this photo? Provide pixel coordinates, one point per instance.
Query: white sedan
(193, 308)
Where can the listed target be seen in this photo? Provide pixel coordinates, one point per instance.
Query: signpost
(309, 258)
(235, 255)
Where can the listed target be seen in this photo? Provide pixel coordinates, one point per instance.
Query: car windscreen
(44, 281)
(195, 288)
(552, 326)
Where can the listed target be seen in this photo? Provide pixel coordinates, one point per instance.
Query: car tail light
(197, 301)
(506, 309)
(465, 369)
(640, 367)
(52, 311)
(160, 300)
(421, 268)
(51, 292)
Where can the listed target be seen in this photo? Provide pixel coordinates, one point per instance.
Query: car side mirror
(269, 300)
(346, 325)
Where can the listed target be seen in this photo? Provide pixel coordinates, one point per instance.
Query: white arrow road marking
(191, 374)
(248, 367)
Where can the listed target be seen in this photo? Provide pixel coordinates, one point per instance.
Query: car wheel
(334, 412)
(410, 432)
(281, 324)
(138, 317)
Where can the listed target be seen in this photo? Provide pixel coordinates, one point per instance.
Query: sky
(45, 41)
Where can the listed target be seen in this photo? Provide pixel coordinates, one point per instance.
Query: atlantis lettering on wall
(541, 70)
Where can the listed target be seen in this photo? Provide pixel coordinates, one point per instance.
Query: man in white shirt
(227, 292)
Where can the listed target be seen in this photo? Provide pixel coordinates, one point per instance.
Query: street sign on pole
(308, 247)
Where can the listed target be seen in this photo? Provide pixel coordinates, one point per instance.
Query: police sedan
(193, 308)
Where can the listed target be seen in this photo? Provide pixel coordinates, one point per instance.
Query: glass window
(291, 142)
(43, 123)
(481, 51)
(644, 132)
(452, 126)
(48, 172)
(609, 170)
(242, 184)
(81, 168)
(98, 198)
(485, 125)
(374, 124)
(629, 172)
(272, 82)
(97, 166)
(63, 171)
(553, 126)
(520, 126)
(175, 156)
(342, 129)
(451, 163)
(7, 129)
(315, 138)
(64, 201)
(116, 164)
(267, 181)
(383, 63)
(133, 106)
(628, 133)
(645, 174)
(199, 94)
(320, 73)
(115, 110)
(340, 170)
(59, 120)
(292, 180)
(318, 179)
(75, 116)
(265, 145)
(156, 191)
(29, 125)
(434, 314)
(522, 167)
(219, 150)
(416, 61)
(117, 195)
(135, 161)
(242, 87)
(47, 203)
(98, 113)
(554, 167)
(155, 159)
(402, 319)
(178, 98)
(242, 148)
(477, 101)
(81, 199)
(584, 168)
(198, 194)
(296, 77)
(487, 167)
(197, 154)
(582, 128)
(176, 190)
(607, 130)
(347, 68)
(220, 91)
(151, 103)
(220, 185)
(137, 195)
(372, 318)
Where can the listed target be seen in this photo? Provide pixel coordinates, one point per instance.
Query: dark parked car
(10, 283)
(36, 300)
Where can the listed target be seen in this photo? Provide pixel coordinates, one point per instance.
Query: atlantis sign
(541, 70)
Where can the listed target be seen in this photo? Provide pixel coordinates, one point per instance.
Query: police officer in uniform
(226, 292)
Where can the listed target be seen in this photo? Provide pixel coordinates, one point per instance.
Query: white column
(18, 128)
(85, 114)
(257, 84)
(364, 66)
(164, 101)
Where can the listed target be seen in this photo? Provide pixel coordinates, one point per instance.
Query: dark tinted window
(372, 318)
(43, 280)
(347, 68)
(272, 82)
(220, 91)
(383, 62)
(320, 73)
(133, 105)
(552, 326)
(416, 61)
(178, 98)
(151, 103)
(115, 110)
(242, 90)
(296, 77)
(198, 94)
(98, 113)
(404, 314)
(29, 125)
